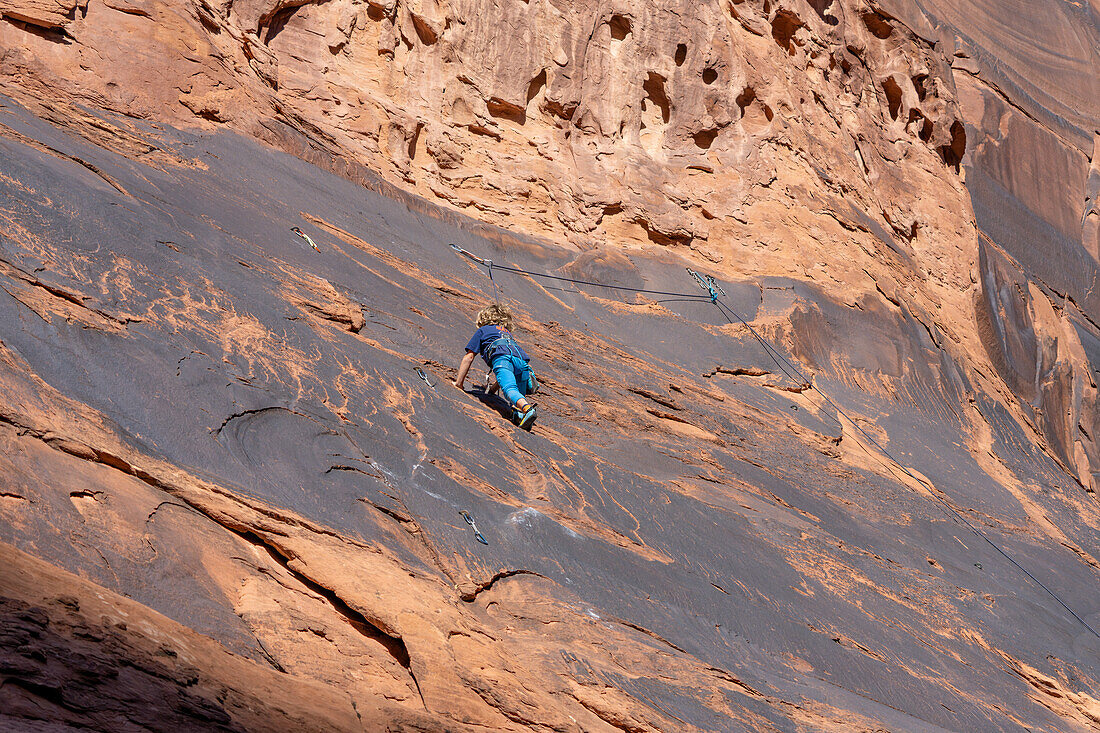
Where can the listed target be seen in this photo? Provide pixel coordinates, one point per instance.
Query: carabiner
(470, 521)
(420, 373)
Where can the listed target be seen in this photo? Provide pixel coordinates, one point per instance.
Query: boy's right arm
(464, 369)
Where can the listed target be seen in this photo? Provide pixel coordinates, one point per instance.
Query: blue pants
(513, 376)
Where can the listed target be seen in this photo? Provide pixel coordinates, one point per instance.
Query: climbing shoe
(524, 417)
(491, 385)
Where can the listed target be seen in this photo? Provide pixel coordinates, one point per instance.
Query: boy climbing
(509, 362)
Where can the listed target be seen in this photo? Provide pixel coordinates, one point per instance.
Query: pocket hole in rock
(620, 27)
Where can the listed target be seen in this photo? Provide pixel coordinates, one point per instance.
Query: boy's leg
(522, 370)
(525, 412)
(526, 379)
(506, 378)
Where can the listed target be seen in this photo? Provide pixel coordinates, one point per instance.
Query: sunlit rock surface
(222, 432)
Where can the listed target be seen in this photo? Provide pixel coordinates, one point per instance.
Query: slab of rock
(76, 654)
(48, 14)
(200, 411)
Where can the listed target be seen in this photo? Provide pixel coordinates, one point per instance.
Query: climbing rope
(770, 350)
(951, 511)
(714, 294)
(519, 271)
(493, 280)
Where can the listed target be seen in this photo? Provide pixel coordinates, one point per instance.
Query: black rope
(688, 296)
(770, 350)
(693, 299)
(520, 271)
(784, 363)
(493, 280)
(951, 511)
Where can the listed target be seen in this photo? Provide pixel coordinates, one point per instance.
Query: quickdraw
(305, 236)
(488, 264)
(706, 282)
(420, 373)
(470, 521)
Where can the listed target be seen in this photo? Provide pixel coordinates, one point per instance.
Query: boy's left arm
(464, 369)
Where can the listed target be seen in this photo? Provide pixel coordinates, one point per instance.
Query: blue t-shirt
(486, 336)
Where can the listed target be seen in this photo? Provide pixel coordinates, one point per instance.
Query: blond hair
(497, 314)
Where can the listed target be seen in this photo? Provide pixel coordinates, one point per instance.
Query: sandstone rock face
(77, 655)
(580, 121)
(48, 14)
(200, 412)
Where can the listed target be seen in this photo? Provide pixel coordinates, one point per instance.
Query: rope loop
(493, 280)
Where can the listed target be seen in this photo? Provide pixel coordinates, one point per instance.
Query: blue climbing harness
(503, 345)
